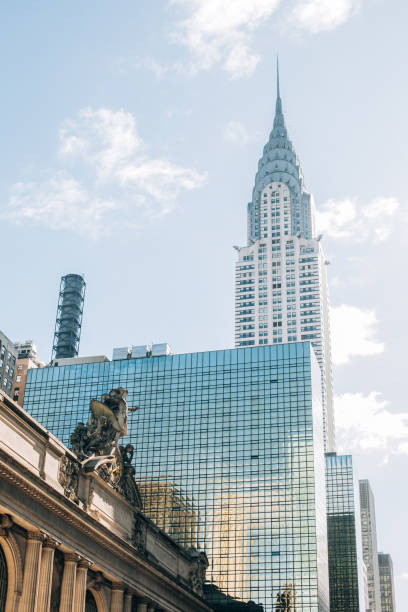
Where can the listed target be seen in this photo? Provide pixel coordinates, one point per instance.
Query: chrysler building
(281, 287)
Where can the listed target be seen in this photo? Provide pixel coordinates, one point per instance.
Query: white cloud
(236, 133)
(60, 203)
(159, 178)
(222, 33)
(105, 138)
(353, 332)
(219, 32)
(403, 576)
(348, 220)
(319, 15)
(110, 170)
(364, 422)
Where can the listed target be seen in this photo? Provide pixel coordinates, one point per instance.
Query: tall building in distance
(369, 541)
(68, 321)
(229, 454)
(281, 288)
(26, 359)
(386, 582)
(8, 358)
(346, 577)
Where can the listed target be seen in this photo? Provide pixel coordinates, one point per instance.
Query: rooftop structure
(68, 322)
(26, 349)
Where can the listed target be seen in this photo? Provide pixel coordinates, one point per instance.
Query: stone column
(46, 567)
(68, 582)
(142, 606)
(80, 585)
(117, 597)
(128, 602)
(28, 599)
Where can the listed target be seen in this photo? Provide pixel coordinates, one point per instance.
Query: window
(90, 603)
(18, 378)
(3, 579)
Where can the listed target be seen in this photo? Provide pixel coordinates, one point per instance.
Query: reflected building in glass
(229, 453)
(171, 510)
(386, 583)
(343, 536)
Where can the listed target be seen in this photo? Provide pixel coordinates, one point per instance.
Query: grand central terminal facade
(73, 536)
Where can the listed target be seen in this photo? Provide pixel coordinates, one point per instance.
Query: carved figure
(79, 440)
(198, 570)
(127, 484)
(6, 523)
(68, 477)
(139, 534)
(96, 446)
(96, 442)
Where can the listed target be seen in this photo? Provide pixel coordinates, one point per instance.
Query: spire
(279, 122)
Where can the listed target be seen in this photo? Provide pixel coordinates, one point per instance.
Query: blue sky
(131, 135)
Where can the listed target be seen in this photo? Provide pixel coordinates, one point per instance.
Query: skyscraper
(386, 583)
(346, 578)
(281, 288)
(229, 454)
(369, 540)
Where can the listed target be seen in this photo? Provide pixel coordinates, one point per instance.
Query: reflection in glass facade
(386, 583)
(343, 536)
(229, 457)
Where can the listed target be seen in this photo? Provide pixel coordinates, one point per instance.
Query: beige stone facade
(69, 542)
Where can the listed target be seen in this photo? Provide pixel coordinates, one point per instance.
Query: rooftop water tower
(69, 317)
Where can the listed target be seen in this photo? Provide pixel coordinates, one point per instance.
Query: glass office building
(229, 458)
(343, 536)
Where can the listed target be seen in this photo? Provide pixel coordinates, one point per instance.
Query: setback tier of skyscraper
(229, 456)
(281, 288)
